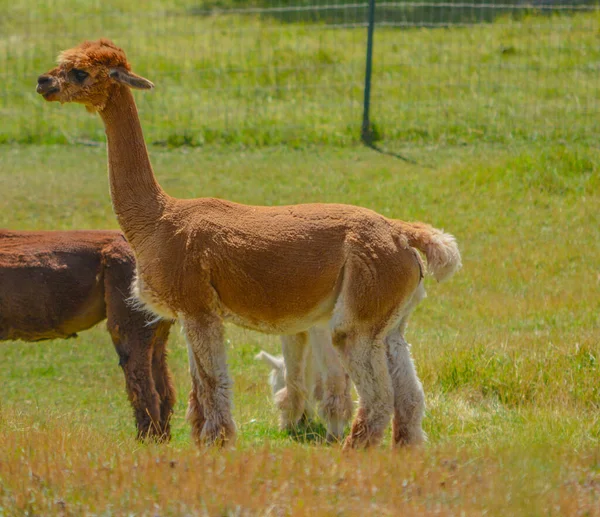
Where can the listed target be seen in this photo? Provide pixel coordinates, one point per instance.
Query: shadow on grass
(310, 432)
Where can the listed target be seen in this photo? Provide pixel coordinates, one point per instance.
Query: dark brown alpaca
(55, 284)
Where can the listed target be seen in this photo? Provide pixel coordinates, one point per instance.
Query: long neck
(138, 200)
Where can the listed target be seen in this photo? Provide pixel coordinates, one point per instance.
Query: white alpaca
(320, 376)
(277, 373)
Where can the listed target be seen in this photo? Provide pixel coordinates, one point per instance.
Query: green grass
(507, 350)
(258, 80)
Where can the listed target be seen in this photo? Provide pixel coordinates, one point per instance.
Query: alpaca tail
(441, 250)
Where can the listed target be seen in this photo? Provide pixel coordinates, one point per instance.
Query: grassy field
(500, 126)
(507, 350)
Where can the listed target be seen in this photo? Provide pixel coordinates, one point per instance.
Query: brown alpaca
(55, 284)
(343, 270)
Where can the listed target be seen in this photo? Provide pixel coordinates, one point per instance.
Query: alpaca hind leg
(291, 400)
(366, 362)
(209, 410)
(335, 401)
(409, 399)
(162, 378)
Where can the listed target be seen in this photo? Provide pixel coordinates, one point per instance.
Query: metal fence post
(366, 133)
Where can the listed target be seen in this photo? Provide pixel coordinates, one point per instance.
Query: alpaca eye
(79, 75)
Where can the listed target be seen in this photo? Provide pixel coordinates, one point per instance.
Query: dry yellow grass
(61, 468)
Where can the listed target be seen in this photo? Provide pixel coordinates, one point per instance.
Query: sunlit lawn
(507, 350)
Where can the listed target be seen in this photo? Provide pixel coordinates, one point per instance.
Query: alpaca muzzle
(46, 85)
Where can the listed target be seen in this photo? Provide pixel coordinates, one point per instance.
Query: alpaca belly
(321, 314)
(37, 303)
(91, 312)
(266, 301)
(43, 327)
(277, 328)
(13, 334)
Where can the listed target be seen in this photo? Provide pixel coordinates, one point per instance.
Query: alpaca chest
(152, 299)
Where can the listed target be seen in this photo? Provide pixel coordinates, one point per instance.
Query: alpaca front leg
(133, 341)
(291, 400)
(210, 400)
(141, 392)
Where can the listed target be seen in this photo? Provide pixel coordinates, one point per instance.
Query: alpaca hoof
(408, 438)
(364, 433)
(349, 444)
(306, 419)
(152, 434)
(332, 439)
(290, 415)
(356, 440)
(216, 434)
(154, 437)
(335, 430)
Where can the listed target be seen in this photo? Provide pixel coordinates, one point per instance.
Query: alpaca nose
(45, 83)
(44, 79)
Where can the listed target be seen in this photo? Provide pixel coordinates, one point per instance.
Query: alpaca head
(88, 74)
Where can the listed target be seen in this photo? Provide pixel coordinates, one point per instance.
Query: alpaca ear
(276, 363)
(130, 79)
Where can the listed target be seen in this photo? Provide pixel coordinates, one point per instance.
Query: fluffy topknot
(93, 53)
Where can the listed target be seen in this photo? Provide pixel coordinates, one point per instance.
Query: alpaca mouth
(49, 93)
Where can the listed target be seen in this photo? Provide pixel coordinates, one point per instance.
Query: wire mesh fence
(260, 72)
